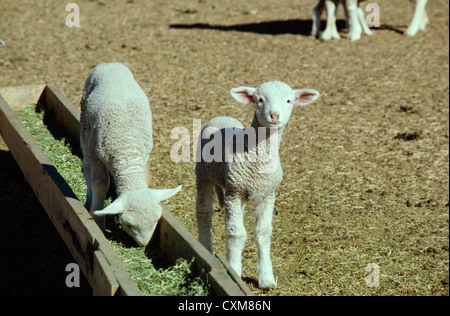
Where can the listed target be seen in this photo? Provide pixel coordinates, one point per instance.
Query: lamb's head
(139, 211)
(274, 101)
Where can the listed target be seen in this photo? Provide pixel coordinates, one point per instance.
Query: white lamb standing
(116, 139)
(249, 174)
(356, 19)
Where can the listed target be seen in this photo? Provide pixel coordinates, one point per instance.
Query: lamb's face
(141, 213)
(274, 102)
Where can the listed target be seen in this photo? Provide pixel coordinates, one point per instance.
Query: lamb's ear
(165, 194)
(305, 96)
(114, 208)
(243, 95)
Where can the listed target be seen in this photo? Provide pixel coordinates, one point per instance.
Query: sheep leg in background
(420, 18)
(355, 29)
(362, 21)
(331, 31)
(263, 234)
(355, 19)
(317, 13)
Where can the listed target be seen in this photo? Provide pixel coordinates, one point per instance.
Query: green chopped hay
(175, 280)
(57, 148)
(146, 266)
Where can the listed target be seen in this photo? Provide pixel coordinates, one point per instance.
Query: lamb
(356, 19)
(239, 174)
(116, 139)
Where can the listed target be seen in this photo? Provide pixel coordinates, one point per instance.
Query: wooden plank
(63, 110)
(234, 275)
(102, 272)
(223, 285)
(18, 99)
(176, 241)
(47, 184)
(127, 286)
(73, 222)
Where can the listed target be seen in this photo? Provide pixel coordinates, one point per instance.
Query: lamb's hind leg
(263, 233)
(204, 203)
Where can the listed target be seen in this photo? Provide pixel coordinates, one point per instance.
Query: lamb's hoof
(411, 31)
(353, 37)
(269, 284)
(329, 35)
(368, 32)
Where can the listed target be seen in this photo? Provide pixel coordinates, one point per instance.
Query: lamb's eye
(289, 101)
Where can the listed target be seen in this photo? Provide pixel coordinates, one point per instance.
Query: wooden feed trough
(94, 254)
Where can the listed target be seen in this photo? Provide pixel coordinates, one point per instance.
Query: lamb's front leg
(263, 234)
(98, 186)
(235, 232)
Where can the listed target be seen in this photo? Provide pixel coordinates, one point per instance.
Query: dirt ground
(366, 168)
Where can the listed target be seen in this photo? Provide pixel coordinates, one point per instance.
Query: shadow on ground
(295, 27)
